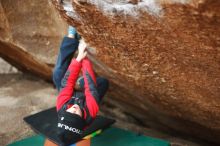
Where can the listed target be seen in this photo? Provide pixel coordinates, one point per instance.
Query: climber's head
(70, 125)
(75, 109)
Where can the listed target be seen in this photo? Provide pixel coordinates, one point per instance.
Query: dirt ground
(21, 95)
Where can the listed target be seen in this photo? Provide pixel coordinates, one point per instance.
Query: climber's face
(75, 109)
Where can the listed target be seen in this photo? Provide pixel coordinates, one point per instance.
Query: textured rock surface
(31, 31)
(162, 57)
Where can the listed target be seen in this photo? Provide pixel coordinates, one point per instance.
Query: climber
(78, 100)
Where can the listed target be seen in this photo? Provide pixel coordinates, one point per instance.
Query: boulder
(30, 33)
(161, 56)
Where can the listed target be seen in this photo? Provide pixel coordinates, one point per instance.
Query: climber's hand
(82, 51)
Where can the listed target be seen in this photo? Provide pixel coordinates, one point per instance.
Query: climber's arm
(69, 80)
(68, 83)
(92, 97)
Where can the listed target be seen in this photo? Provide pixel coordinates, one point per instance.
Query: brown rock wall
(32, 25)
(30, 34)
(168, 65)
(163, 60)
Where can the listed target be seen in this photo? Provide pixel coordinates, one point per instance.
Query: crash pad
(119, 137)
(36, 140)
(45, 123)
(109, 137)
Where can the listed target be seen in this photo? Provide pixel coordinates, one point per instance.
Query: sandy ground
(21, 96)
(6, 68)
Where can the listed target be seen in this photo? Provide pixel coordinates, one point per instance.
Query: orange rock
(162, 58)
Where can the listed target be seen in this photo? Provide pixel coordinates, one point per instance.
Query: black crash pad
(45, 123)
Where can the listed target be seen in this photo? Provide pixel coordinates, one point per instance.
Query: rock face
(30, 33)
(161, 56)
